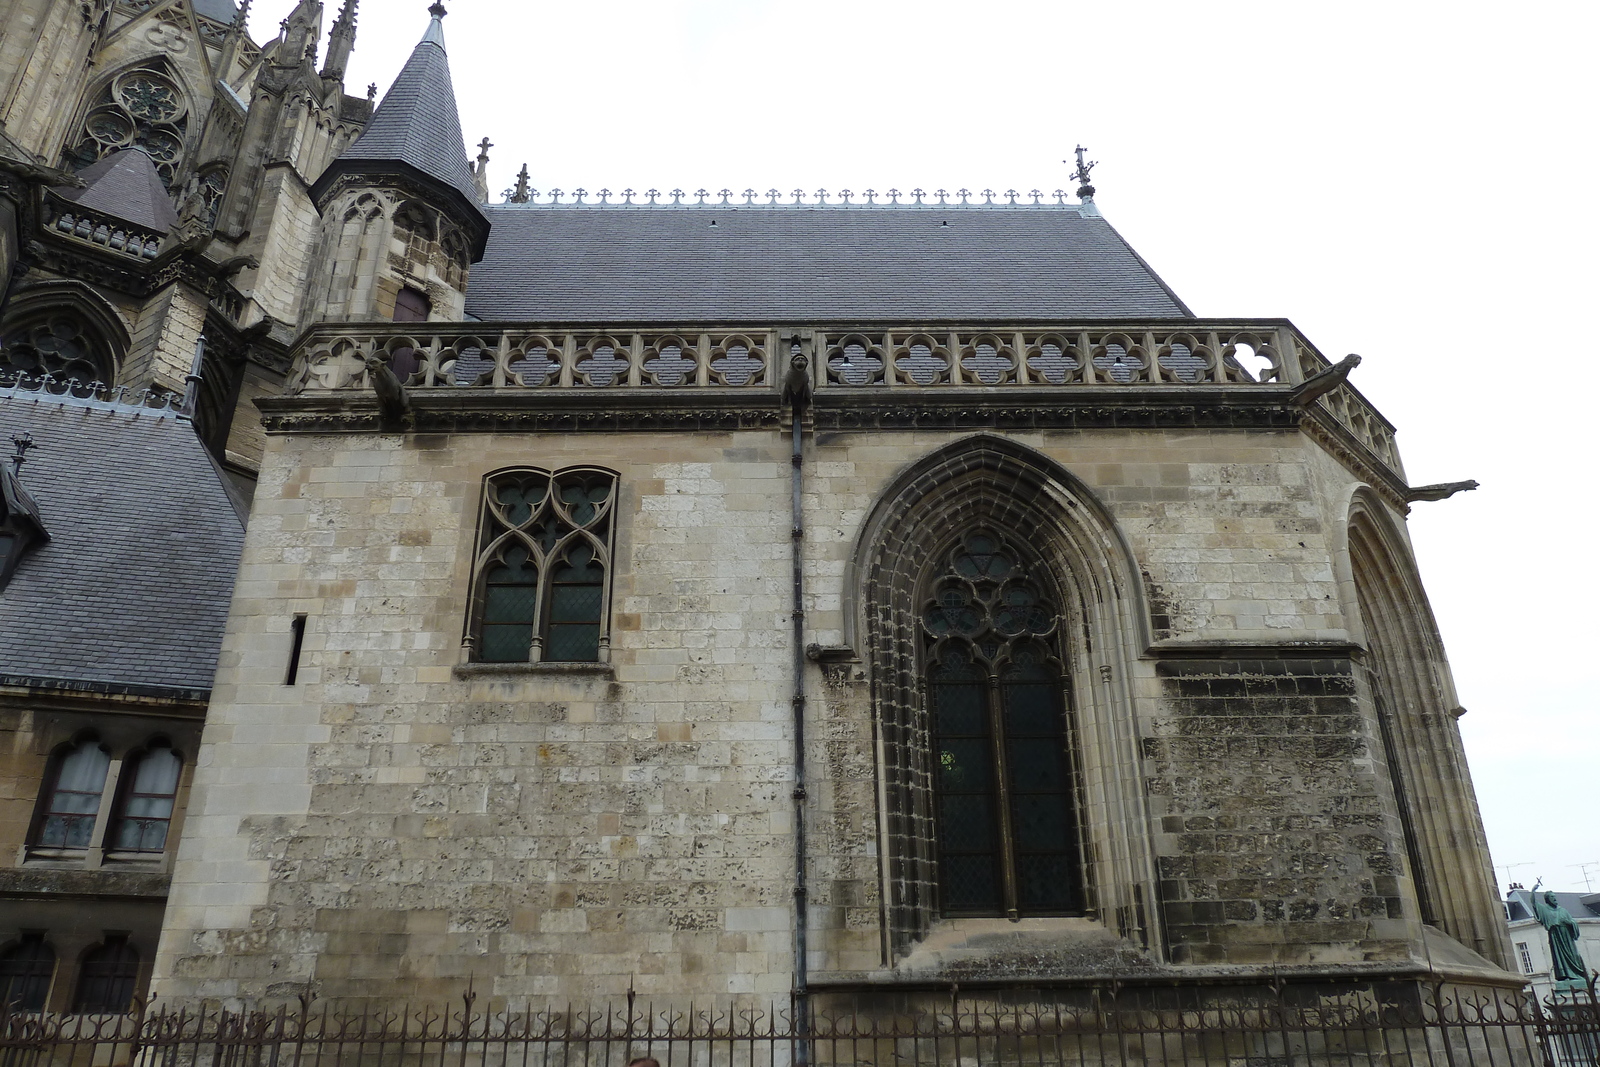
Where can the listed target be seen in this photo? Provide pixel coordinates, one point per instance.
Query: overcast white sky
(1410, 181)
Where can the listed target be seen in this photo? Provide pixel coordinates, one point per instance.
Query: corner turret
(401, 221)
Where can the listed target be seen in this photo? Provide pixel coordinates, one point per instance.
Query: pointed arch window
(1005, 796)
(72, 803)
(543, 567)
(25, 972)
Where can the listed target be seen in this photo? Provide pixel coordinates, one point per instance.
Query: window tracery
(543, 566)
(1005, 822)
(61, 345)
(139, 108)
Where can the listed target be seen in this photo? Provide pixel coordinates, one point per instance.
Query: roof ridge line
(937, 200)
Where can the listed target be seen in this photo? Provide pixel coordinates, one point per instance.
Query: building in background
(711, 596)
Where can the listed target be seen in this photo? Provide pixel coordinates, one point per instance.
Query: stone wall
(396, 823)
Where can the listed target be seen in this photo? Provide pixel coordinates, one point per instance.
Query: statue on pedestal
(1566, 965)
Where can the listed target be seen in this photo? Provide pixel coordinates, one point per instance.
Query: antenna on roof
(1081, 173)
(1583, 868)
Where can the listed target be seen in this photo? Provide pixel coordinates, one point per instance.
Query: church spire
(341, 40)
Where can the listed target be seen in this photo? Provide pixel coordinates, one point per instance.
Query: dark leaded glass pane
(967, 823)
(965, 764)
(509, 603)
(573, 643)
(969, 884)
(1039, 821)
(1031, 709)
(505, 644)
(1033, 765)
(575, 603)
(958, 699)
(1046, 883)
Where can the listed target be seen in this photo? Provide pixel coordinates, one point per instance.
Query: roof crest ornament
(1081, 174)
(986, 199)
(21, 442)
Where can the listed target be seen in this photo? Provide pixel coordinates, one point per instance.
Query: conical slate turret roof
(417, 123)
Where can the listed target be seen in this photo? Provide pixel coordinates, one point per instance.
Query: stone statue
(1566, 964)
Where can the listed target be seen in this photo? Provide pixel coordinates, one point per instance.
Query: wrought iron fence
(1273, 1026)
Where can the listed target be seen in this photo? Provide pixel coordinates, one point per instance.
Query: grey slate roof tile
(417, 122)
(593, 264)
(125, 184)
(133, 586)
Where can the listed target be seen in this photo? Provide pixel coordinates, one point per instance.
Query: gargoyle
(797, 382)
(1441, 491)
(234, 264)
(1325, 382)
(394, 405)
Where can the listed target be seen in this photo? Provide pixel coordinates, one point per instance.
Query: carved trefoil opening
(542, 584)
(1005, 818)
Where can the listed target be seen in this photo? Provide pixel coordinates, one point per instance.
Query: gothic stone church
(703, 596)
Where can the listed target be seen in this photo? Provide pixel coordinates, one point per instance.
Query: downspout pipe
(797, 391)
(191, 381)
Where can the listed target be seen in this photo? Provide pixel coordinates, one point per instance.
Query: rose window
(58, 346)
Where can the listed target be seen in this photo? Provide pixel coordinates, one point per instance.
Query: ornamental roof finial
(1081, 173)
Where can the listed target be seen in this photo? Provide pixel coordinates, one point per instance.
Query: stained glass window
(543, 557)
(74, 799)
(1007, 835)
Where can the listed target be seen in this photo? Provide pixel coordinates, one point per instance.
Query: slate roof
(125, 184)
(218, 10)
(133, 587)
(582, 263)
(1578, 905)
(416, 122)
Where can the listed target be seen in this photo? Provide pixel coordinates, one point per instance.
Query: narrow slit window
(297, 641)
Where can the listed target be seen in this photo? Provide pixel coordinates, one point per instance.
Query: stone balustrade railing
(1136, 358)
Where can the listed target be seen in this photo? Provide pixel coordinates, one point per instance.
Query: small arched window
(25, 972)
(1006, 818)
(108, 977)
(144, 814)
(72, 801)
(543, 560)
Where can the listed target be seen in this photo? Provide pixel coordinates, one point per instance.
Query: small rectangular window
(1525, 957)
(297, 639)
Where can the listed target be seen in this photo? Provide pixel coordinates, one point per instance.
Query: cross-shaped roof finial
(483, 150)
(21, 442)
(1081, 173)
